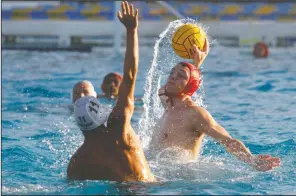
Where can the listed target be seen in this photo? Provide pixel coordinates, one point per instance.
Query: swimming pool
(254, 99)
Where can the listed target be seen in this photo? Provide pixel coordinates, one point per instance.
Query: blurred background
(83, 26)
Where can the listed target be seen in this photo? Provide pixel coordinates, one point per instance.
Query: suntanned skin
(185, 124)
(110, 86)
(114, 152)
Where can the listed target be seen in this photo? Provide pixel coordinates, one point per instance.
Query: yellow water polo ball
(184, 37)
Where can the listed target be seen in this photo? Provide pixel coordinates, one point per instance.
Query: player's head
(81, 89)
(89, 114)
(260, 50)
(184, 78)
(111, 83)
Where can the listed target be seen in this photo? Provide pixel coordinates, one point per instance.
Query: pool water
(253, 99)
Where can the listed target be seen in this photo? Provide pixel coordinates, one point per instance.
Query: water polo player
(110, 85)
(260, 50)
(81, 89)
(111, 149)
(184, 123)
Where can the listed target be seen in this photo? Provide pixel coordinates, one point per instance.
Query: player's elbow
(133, 73)
(131, 70)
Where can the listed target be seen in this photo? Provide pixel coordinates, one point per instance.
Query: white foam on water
(168, 167)
(25, 189)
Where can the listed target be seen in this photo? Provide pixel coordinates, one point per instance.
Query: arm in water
(206, 123)
(125, 103)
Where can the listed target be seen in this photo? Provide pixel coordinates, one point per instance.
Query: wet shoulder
(196, 112)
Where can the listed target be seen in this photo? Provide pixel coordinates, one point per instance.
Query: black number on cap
(91, 108)
(82, 119)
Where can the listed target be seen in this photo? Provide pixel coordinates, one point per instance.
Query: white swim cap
(89, 113)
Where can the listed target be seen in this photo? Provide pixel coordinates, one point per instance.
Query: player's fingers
(206, 46)
(276, 160)
(196, 53)
(123, 8)
(195, 48)
(119, 15)
(127, 8)
(132, 9)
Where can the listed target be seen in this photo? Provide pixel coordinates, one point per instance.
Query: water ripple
(253, 99)
(286, 90)
(225, 74)
(264, 87)
(42, 92)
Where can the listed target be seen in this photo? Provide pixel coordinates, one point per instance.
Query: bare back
(117, 154)
(110, 157)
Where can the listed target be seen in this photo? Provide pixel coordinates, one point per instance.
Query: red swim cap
(194, 80)
(117, 75)
(261, 45)
(114, 74)
(191, 86)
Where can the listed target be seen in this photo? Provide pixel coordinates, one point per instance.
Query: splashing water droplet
(164, 59)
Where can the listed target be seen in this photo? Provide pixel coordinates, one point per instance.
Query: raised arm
(125, 102)
(200, 55)
(206, 123)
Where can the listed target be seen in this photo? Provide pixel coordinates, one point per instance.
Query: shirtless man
(184, 124)
(112, 152)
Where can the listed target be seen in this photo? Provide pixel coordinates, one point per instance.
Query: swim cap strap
(169, 95)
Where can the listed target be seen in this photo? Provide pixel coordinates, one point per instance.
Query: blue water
(255, 100)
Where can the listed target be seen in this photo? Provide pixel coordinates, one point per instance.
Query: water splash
(164, 59)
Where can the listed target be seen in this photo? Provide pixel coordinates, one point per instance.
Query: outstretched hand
(265, 162)
(128, 16)
(200, 55)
